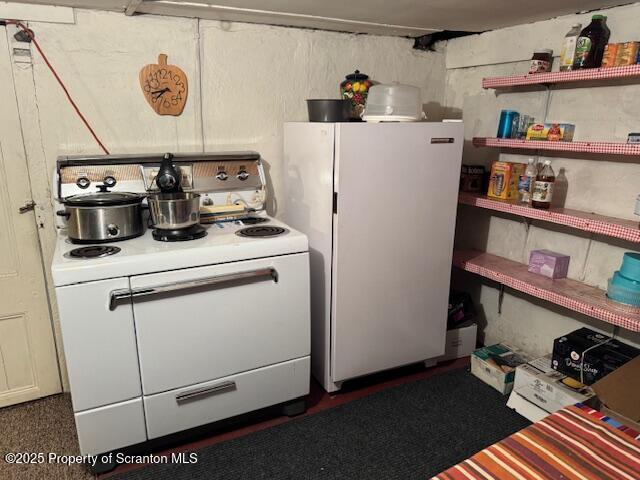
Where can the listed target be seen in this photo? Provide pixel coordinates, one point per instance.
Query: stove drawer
(208, 402)
(196, 324)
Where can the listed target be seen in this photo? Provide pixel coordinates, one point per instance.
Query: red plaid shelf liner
(565, 292)
(562, 77)
(610, 148)
(588, 222)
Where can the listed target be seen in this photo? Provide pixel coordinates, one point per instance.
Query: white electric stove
(159, 336)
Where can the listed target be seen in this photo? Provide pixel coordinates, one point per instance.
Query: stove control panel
(229, 175)
(215, 178)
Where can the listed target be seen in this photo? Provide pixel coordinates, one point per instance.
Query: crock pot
(103, 216)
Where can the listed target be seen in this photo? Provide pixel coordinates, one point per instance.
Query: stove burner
(94, 251)
(253, 220)
(180, 235)
(262, 231)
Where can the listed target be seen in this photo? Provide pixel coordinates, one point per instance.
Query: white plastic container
(393, 103)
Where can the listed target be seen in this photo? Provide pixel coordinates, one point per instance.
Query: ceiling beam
(194, 9)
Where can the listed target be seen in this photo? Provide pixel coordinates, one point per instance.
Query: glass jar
(541, 61)
(355, 87)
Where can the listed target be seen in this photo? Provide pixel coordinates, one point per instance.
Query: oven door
(200, 324)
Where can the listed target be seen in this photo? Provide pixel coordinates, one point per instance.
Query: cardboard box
(524, 407)
(503, 183)
(471, 178)
(602, 355)
(549, 264)
(549, 390)
(619, 394)
(495, 365)
(460, 342)
(552, 132)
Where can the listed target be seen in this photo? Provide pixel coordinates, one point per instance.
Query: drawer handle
(205, 391)
(253, 275)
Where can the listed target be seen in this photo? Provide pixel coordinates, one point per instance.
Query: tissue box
(548, 263)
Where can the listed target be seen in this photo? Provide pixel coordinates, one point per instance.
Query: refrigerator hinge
(335, 202)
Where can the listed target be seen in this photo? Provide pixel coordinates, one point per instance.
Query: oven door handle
(261, 274)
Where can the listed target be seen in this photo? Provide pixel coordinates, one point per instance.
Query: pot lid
(104, 199)
(357, 76)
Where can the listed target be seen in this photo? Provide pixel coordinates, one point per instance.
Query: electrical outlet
(20, 51)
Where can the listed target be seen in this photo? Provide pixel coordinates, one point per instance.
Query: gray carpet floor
(415, 430)
(44, 425)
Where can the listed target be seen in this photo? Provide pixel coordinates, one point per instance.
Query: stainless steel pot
(103, 217)
(174, 211)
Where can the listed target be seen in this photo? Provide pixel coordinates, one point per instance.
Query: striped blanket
(576, 442)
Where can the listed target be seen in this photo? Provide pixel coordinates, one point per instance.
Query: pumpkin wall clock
(164, 86)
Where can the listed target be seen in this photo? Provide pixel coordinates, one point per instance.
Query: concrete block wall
(606, 185)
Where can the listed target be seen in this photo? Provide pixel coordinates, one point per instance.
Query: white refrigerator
(378, 204)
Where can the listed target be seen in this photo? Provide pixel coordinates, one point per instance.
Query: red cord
(55, 74)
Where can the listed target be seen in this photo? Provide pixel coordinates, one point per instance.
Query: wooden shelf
(576, 76)
(589, 222)
(610, 148)
(565, 292)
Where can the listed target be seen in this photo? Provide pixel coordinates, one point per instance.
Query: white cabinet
(211, 323)
(99, 344)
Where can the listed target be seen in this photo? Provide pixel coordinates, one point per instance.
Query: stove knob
(112, 230)
(83, 182)
(109, 181)
(242, 175)
(222, 176)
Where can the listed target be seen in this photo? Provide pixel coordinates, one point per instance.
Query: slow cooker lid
(104, 199)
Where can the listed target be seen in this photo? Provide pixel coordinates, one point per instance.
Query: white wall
(605, 185)
(245, 80)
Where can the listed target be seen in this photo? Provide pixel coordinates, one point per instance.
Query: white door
(28, 362)
(397, 190)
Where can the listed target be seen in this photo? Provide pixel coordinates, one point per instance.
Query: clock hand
(159, 93)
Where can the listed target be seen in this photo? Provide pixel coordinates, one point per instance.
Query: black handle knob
(103, 188)
(62, 213)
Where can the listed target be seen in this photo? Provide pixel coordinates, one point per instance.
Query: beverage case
(552, 132)
(504, 180)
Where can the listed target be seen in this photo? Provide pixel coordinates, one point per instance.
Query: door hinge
(335, 202)
(27, 207)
